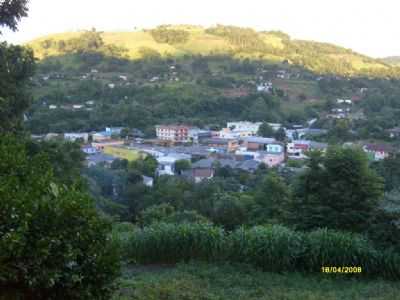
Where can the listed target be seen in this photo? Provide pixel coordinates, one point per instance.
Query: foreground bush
(271, 248)
(53, 244)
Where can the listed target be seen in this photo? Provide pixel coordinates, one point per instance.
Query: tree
(389, 169)
(280, 134)
(16, 67)
(12, 11)
(182, 165)
(338, 191)
(146, 166)
(272, 198)
(231, 210)
(266, 130)
(53, 243)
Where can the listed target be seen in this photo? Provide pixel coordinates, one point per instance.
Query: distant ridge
(238, 42)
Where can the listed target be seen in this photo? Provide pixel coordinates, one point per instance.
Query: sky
(370, 27)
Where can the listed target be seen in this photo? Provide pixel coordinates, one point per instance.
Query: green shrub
(272, 248)
(171, 243)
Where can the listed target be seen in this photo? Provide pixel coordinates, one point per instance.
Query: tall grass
(170, 243)
(271, 248)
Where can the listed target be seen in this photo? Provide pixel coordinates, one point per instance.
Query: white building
(235, 130)
(72, 137)
(244, 126)
(166, 164)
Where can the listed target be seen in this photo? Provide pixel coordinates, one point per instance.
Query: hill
(240, 43)
(203, 77)
(392, 60)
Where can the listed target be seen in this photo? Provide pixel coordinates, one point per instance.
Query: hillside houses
(377, 152)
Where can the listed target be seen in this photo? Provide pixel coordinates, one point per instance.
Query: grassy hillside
(235, 41)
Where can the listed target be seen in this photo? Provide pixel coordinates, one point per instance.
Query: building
(298, 148)
(202, 170)
(101, 136)
(221, 145)
(173, 133)
(72, 137)
(377, 151)
(272, 159)
(166, 164)
(240, 129)
(256, 143)
(273, 155)
(197, 134)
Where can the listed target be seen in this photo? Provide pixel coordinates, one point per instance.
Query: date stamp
(341, 269)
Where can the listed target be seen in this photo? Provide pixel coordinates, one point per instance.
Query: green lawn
(211, 282)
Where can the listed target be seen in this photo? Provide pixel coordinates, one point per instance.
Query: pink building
(272, 159)
(174, 133)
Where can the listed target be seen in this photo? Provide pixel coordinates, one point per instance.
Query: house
(99, 158)
(111, 85)
(173, 133)
(101, 136)
(166, 164)
(247, 155)
(271, 159)
(273, 155)
(298, 148)
(197, 134)
(218, 144)
(256, 143)
(202, 170)
(240, 129)
(107, 134)
(377, 151)
(72, 137)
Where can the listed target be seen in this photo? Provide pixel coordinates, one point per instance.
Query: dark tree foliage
(163, 34)
(338, 191)
(16, 68)
(12, 11)
(53, 243)
(245, 39)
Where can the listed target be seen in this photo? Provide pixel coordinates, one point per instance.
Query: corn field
(270, 248)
